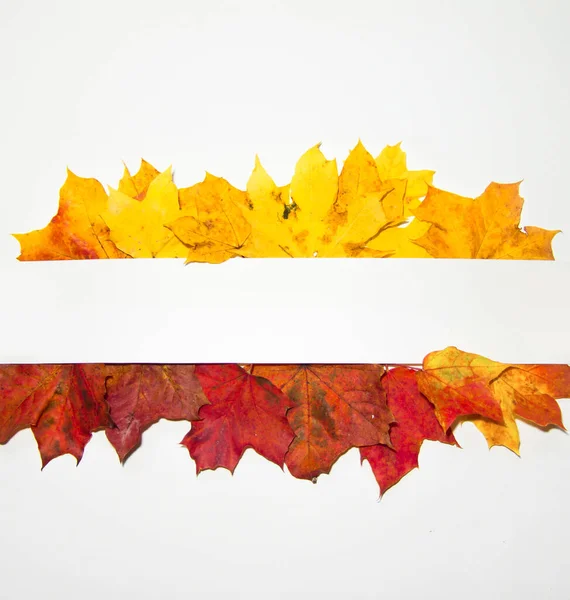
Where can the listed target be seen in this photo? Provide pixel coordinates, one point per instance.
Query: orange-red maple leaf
(458, 384)
(536, 387)
(528, 392)
(77, 231)
(141, 394)
(245, 411)
(336, 407)
(415, 422)
(63, 404)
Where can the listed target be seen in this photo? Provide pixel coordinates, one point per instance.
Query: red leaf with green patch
(336, 407)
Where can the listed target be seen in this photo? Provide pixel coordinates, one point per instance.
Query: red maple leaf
(245, 411)
(415, 422)
(140, 394)
(63, 404)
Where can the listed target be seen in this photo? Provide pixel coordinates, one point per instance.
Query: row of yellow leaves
(374, 208)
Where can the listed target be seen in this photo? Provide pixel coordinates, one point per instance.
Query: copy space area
(284, 311)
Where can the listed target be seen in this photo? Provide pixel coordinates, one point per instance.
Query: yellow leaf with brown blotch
(211, 224)
(267, 210)
(313, 192)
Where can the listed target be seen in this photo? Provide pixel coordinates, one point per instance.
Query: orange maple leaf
(77, 231)
(336, 407)
(485, 227)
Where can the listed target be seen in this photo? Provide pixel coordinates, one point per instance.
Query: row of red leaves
(302, 416)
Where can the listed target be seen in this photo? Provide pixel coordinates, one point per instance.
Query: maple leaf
(484, 227)
(336, 407)
(357, 216)
(400, 241)
(289, 221)
(528, 392)
(77, 231)
(63, 404)
(392, 165)
(245, 411)
(407, 189)
(385, 231)
(415, 421)
(139, 395)
(138, 226)
(458, 384)
(536, 386)
(505, 433)
(268, 209)
(211, 224)
(313, 190)
(136, 186)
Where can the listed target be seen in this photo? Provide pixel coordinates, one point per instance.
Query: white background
(284, 311)
(477, 91)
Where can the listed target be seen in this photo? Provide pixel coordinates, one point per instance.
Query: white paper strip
(302, 311)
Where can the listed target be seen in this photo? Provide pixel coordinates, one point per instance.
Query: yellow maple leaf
(501, 434)
(267, 210)
(399, 242)
(357, 215)
(77, 230)
(211, 224)
(136, 186)
(392, 165)
(290, 221)
(484, 227)
(314, 189)
(138, 226)
(407, 187)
